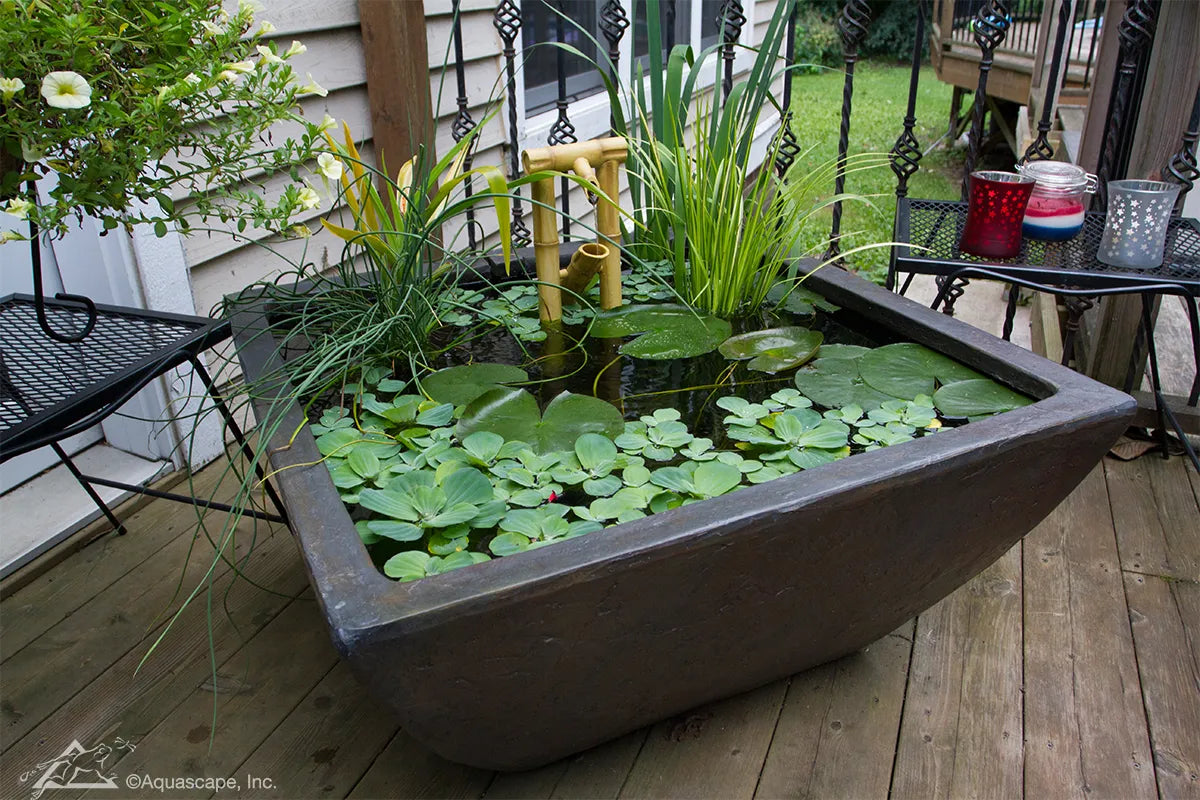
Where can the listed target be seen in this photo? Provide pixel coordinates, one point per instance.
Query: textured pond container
(522, 660)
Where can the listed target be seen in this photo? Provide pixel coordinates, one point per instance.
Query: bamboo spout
(598, 162)
(585, 263)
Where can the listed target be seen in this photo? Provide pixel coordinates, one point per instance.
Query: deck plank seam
(912, 648)
(774, 730)
(636, 758)
(382, 750)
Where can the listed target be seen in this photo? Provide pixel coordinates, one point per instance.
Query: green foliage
(663, 331)
(513, 414)
(165, 100)
(817, 41)
(774, 349)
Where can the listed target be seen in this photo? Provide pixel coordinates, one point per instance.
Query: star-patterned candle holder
(1135, 229)
(995, 208)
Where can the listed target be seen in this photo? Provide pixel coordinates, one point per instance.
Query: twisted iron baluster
(1040, 149)
(789, 148)
(852, 24)
(463, 123)
(730, 22)
(989, 27)
(507, 22)
(613, 24)
(1135, 32)
(562, 131)
(1182, 169)
(906, 153)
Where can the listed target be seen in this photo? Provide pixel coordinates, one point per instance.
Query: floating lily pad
(798, 300)
(836, 382)
(906, 370)
(977, 397)
(513, 414)
(842, 351)
(774, 349)
(667, 331)
(461, 385)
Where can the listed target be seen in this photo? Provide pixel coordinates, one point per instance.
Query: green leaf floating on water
(977, 397)
(774, 349)
(461, 385)
(836, 382)
(513, 414)
(798, 300)
(667, 331)
(906, 370)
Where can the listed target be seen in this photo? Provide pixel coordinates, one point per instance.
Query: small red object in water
(553, 496)
(996, 206)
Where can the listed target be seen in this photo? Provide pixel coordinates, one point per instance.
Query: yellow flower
(301, 231)
(267, 54)
(312, 87)
(19, 207)
(241, 66)
(295, 50)
(66, 90)
(329, 166)
(308, 198)
(9, 87)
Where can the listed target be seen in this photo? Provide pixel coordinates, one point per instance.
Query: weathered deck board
(127, 701)
(716, 750)
(837, 732)
(1085, 728)
(1053, 615)
(1152, 501)
(961, 731)
(1170, 679)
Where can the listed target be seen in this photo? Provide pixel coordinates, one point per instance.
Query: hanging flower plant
(138, 111)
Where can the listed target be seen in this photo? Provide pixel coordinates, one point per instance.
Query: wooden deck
(1069, 668)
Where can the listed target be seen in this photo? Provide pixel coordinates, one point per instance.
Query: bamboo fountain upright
(598, 162)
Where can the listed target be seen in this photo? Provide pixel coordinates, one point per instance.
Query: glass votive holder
(1056, 207)
(995, 208)
(1135, 229)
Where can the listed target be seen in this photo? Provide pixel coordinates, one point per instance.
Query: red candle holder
(995, 208)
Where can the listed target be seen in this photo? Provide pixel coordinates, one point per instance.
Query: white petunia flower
(329, 166)
(241, 66)
(312, 87)
(308, 198)
(295, 50)
(9, 87)
(19, 207)
(10, 236)
(253, 6)
(66, 90)
(267, 54)
(228, 75)
(265, 27)
(211, 28)
(192, 78)
(327, 123)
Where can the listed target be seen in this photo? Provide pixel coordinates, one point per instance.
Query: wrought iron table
(51, 389)
(929, 232)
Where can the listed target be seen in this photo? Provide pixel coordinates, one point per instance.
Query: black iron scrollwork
(789, 148)
(729, 22)
(989, 28)
(1040, 149)
(906, 153)
(463, 122)
(852, 24)
(1183, 168)
(39, 292)
(562, 131)
(613, 24)
(1135, 33)
(507, 22)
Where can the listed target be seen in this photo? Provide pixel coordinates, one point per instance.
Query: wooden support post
(396, 53)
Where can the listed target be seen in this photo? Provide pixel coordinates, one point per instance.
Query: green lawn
(877, 118)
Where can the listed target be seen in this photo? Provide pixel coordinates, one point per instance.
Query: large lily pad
(977, 397)
(836, 382)
(666, 331)
(906, 370)
(774, 349)
(513, 414)
(461, 385)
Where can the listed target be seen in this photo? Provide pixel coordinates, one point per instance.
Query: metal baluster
(906, 153)
(613, 24)
(1040, 149)
(463, 123)
(1183, 169)
(730, 22)
(789, 148)
(852, 24)
(562, 131)
(507, 22)
(1135, 32)
(990, 26)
